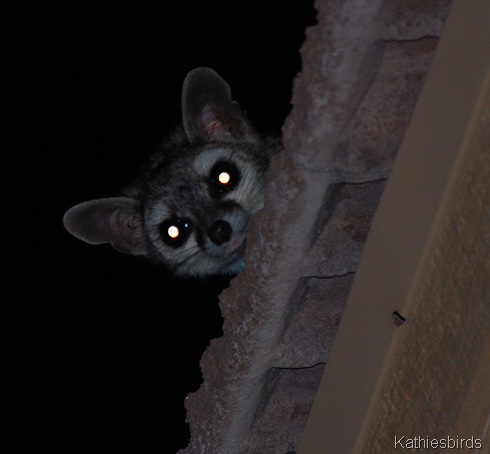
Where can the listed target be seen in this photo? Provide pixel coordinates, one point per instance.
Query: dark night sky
(101, 348)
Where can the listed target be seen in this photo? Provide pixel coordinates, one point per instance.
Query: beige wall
(427, 258)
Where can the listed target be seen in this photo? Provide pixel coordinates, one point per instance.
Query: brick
(368, 145)
(315, 314)
(342, 228)
(278, 425)
(415, 19)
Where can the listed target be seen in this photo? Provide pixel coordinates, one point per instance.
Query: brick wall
(363, 68)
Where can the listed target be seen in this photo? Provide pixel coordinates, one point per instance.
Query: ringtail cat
(190, 204)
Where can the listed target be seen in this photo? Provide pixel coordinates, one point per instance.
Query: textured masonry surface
(363, 68)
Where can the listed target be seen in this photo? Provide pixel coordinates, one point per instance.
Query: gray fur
(178, 188)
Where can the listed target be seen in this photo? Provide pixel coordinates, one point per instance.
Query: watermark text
(403, 442)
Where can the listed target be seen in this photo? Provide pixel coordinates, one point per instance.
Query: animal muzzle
(227, 233)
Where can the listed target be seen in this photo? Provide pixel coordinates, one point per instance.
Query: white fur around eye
(249, 192)
(205, 160)
(158, 213)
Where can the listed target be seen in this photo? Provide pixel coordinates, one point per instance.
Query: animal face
(190, 204)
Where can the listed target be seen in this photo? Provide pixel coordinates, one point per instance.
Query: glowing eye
(224, 178)
(173, 231)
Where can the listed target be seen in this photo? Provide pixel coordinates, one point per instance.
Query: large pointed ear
(115, 220)
(208, 112)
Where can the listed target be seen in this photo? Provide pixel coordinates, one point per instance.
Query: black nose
(220, 232)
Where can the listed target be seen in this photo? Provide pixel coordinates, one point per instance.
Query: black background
(100, 348)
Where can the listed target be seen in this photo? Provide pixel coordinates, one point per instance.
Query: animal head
(190, 205)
